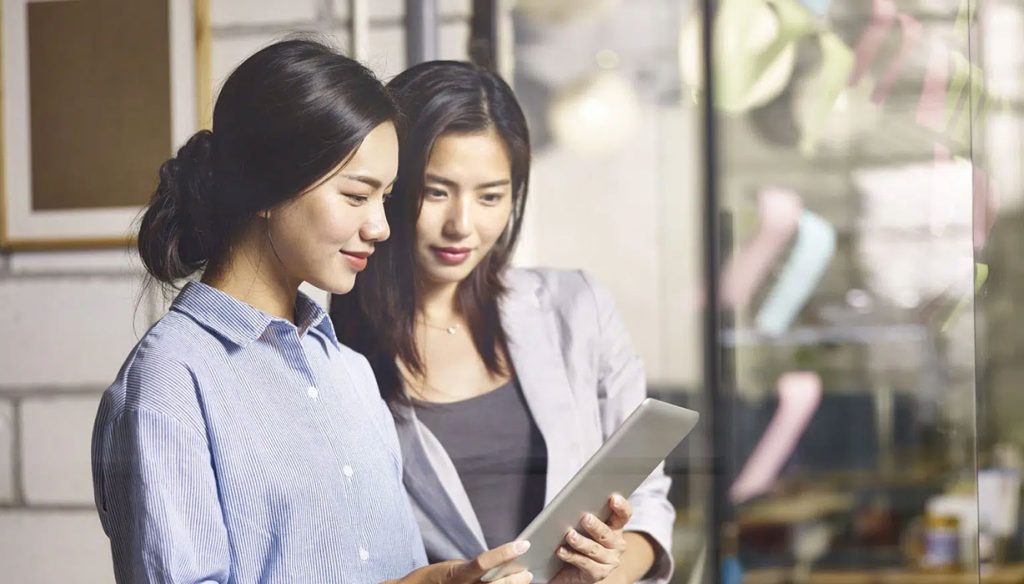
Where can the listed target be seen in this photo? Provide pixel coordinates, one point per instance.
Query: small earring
(264, 214)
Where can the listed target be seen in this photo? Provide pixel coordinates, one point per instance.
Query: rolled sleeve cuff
(660, 532)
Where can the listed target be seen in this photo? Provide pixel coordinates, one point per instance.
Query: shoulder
(354, 361)
(158, 376)
(565, 291)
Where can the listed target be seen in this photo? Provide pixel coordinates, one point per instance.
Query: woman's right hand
(470, 571)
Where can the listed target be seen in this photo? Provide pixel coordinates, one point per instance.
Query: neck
(437, 303)
(251, 273)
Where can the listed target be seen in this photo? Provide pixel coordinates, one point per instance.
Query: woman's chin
(442, 275)
(335, 285)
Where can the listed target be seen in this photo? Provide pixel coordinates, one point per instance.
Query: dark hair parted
(377, 318)
(285, 118)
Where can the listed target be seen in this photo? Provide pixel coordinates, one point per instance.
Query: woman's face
(467, 202)
(326, 235)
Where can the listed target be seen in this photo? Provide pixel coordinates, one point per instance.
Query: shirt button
(363, 554)
(347, 470)
(312, 392)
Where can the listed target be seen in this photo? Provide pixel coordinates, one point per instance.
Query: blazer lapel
(537, 358)
(433, 482)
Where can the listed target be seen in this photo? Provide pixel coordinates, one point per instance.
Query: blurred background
(813, 231)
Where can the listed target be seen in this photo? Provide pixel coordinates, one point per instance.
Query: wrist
(640, 556)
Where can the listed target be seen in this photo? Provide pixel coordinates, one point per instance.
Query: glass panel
(863, 150)
(998, 44)
(846, 189)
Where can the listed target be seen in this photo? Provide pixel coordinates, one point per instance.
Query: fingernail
(573, 534)
(618, 500)
(520, 547)
(590, 519)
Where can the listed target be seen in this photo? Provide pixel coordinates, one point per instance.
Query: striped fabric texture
(238, 447)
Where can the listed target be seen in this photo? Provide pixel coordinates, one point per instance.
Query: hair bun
(195, 185)
(175, 237)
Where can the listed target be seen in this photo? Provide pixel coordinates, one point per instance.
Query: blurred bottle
(732, 569)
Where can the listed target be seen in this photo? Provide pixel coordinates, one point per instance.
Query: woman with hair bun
(241, 442)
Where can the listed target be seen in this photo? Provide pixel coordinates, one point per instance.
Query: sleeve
(622, 385)
(157, 498)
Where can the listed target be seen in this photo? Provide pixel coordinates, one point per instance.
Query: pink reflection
(883, 14)
(799, 396)
(933, 92)
(911, 36)
(778, 215)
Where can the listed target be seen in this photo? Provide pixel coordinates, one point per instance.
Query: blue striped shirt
(238, 447)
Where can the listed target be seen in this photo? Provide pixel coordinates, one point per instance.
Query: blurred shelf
(859, 334)
(794, 509)
(909, 474)
(1009, 574)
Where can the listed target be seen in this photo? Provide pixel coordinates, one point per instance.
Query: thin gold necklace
(451, 329)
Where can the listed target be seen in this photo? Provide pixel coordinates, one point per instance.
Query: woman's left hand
(593, 555)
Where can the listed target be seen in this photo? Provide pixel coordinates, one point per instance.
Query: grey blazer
(580, 377)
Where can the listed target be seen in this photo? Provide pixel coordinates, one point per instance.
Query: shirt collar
(311, 316)
(241, 323)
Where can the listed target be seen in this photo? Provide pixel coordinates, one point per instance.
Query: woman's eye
(491, 198)
(357, 199)
(435, 194)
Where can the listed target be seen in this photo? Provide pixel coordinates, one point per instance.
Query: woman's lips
(357, 259)
(451, 256)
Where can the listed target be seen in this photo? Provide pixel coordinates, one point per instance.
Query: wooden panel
(99, 84)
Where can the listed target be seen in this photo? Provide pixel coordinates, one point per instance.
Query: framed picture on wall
(96, 95)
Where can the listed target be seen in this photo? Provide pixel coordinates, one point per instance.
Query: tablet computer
(625, 460)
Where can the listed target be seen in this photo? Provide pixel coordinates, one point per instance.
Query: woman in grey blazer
(503, 381)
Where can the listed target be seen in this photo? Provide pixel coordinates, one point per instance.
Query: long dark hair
(284, 118)
(378, 317)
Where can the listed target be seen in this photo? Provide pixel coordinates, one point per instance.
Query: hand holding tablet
(628, 457)
(593, 552)
(470, 571)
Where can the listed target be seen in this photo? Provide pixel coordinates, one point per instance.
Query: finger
(599, 531)
(590, 548)
(622, 511)
(517, 578)
(595, 571)
(472, 570)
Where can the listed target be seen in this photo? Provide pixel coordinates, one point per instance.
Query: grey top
(499, 454)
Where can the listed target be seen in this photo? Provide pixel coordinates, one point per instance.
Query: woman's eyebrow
(367, 180)
(441, 180)
(452, 184)
(494, 183)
